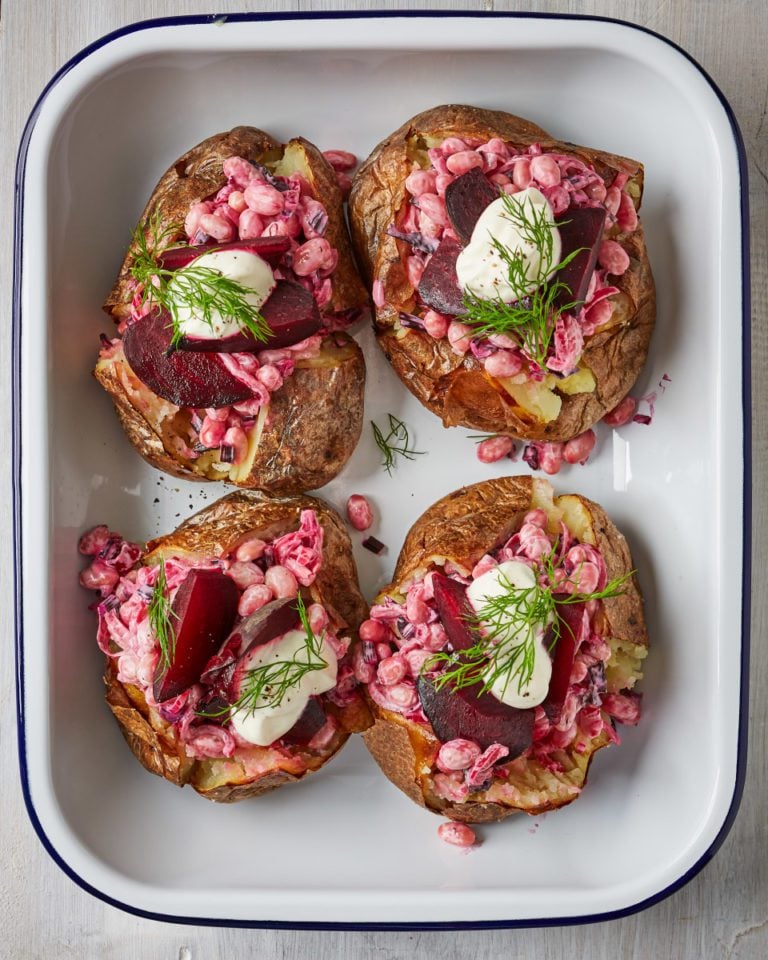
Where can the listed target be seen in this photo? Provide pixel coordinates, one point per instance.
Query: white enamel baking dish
(347, 849)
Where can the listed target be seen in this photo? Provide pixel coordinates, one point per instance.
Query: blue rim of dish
(741, 759)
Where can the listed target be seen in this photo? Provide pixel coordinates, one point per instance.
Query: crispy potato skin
(462, 527)
(315, 418)
(348, 289)
(457, 388)
(212, 533)
(313, 424)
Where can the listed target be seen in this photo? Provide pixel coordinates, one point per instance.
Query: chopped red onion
(410, 320)
(227, 453)
(646, 418)
(417, 240)
(369, 652)
(531, 456)
(319, 221)
(597, 684)
(291, 198)
(482, 348)
(111, 548)
(374, 545)
(277, 182)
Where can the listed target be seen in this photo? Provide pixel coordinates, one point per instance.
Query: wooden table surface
(723, 912)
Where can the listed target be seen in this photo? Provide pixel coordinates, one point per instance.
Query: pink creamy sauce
(567, 183)
(253, 204)
(261, 571)
(399, 639)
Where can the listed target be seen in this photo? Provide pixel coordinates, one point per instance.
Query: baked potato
(262, 387)
(230, 587)
(498, 659)
(480, 316)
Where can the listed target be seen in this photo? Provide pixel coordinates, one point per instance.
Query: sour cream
(479, 267)
(266, 724)
(242, 266)
(496, 583)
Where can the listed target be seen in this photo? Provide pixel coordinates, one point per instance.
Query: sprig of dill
(267, 685)
(394, 443)
(531, 318)
(161, 615)
(511, 623)
(201, 289)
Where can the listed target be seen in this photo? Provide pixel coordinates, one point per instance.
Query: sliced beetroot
(470, 715)
(268, 248)
(204, 608)
(223, 672)
(268, 622)
(562, 659)
(186, 379)
(217, 673)
(455, 611)
(439, 287)
(581, 228)
(465, 199)
(291, 313)
(214, 708)
(311, 721)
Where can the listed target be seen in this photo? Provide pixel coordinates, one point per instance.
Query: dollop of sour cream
(496, 583)
(267, 723)
(479, 266)
(243, 266)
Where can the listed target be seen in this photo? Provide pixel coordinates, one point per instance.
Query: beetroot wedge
(439, 287)
(562, 659)
(471, 715)
(272, 620)
(580, 230)
(268, 248)
(465, 199)
(204, 609)
(291, 313)
(186, 379)
(311, 721)
(217, 673)
(214, 708)
(456, 613)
